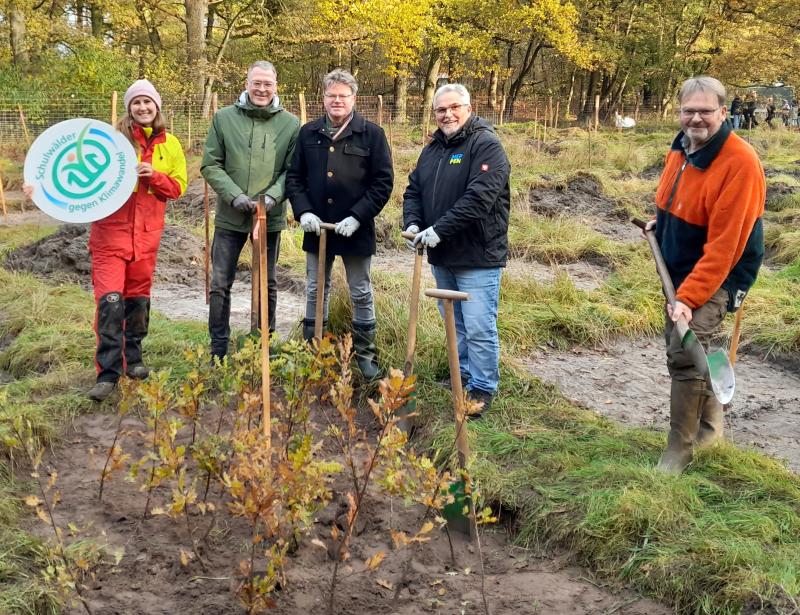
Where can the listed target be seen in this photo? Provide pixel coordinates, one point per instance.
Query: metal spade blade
(715, 368)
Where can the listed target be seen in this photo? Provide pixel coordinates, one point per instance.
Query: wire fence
(22, 119)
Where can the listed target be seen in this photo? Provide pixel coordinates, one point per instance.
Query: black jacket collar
(703, 157)
(357, 124)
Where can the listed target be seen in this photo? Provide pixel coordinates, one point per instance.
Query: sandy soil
(628, 382)
(149, 579)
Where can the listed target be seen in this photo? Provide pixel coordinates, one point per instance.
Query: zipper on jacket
(675, 186)
(436, 178)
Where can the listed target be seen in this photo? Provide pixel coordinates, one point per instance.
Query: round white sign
(82, 170)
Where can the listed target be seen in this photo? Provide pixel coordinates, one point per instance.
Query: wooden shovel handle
(407, 235)
(441, 293)
(263, 304)
(661, 266)
(737, 331)
(413, 315)
(328, 226)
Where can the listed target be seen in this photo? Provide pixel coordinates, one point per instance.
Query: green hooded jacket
(248, 151)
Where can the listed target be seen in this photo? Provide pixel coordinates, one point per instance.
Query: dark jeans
(225, 251)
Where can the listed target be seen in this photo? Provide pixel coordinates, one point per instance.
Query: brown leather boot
(686, 400)
(711, 422)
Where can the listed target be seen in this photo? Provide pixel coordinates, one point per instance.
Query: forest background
(630, 53)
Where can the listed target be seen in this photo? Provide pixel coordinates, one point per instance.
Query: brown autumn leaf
(384, 583)
(373, 562)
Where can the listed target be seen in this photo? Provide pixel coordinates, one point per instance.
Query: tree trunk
(96, 16)
(210, 19)
(401, 97)
(19, 51)
(431, 75)
(493, 90)
(196, 45)
(531, 52)
(588, 105)
(568, 107)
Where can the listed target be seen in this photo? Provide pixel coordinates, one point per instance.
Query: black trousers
(225, 251)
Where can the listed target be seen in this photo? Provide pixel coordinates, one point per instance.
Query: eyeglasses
(338, 96)
(454, 109)
(703, 113)
(263, 85)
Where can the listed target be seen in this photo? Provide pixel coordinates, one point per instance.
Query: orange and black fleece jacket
(710, 204)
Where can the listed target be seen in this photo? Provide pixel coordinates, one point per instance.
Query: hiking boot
(711, 422)
(138, 372)
(365, 350)
(686, 400)
(480, 396)
(308, 329)
(137, 323)
(101, 391)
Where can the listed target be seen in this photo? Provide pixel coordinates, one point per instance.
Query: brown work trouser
(706, 321)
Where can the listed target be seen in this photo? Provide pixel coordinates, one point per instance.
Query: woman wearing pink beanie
(125, 244)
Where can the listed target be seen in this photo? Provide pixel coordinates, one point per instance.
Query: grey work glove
(413, 228)
(347, 227)
(310, 223)
(244, 204)
(427, 238)
(269, 202)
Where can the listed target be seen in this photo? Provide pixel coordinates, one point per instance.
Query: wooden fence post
(3, 199)
(172, 122)
(596, 111)
(189, 137)
(301, 98)
(114, 109)
(380, 110)
(502, 109)
(24, 125)
(555, 117)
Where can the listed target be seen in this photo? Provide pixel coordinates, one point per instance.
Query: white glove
(413, 228)
(427, 238)
(310, 222)
(347, 227)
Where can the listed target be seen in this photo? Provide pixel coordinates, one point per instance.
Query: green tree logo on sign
(78, 169)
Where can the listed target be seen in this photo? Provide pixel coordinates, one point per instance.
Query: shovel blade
(715, 368)
(720, 373)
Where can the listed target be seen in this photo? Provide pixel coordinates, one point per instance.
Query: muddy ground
(149, 579)
(628, 382)
(581, 198)
(178, 286)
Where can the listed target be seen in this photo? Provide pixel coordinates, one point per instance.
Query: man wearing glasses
(248, 151)
(710, 201)
(342, 173)
(458, 203)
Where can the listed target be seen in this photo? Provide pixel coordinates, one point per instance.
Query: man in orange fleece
(710, 201)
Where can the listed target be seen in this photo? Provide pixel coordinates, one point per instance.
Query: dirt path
(628, 382)
(149, 579)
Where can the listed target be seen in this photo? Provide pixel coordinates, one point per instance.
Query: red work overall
(124, 247)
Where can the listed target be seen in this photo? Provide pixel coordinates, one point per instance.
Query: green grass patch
(722, 535)
(47, 350)
(13, 237)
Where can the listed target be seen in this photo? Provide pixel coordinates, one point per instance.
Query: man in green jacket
(248, 151)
